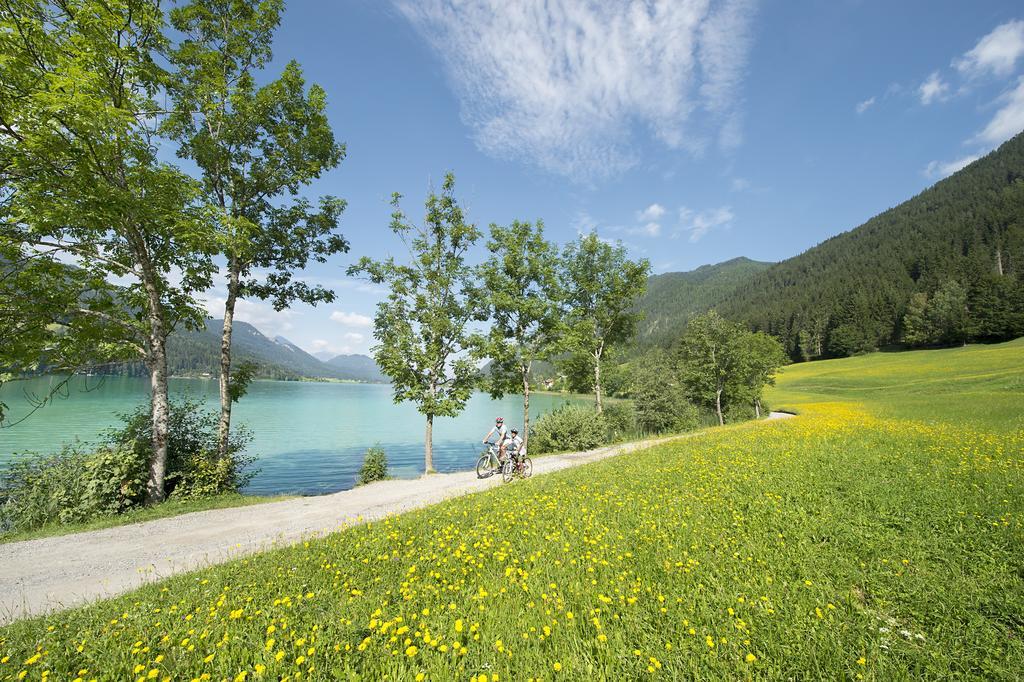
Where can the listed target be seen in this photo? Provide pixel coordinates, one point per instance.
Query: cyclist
(500, 436)
(516, 446)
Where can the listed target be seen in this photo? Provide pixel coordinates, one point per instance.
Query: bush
(621, 420)
(568, 428)
(661, 405)
(375, 465)
(78, 485)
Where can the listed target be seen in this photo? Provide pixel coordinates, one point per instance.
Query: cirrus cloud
(996, 53)
(567, 85)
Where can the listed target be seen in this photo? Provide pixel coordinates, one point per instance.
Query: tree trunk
(156, 362)
(225, 360)
(757, 408)
(428, 447)
(597, 380)
(526, 406)
(718, 407)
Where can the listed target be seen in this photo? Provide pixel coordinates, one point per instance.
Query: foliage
(939, 319)
(759, 358)
(784, 550)
(620, 420)
(70, 487)
(195, 466)
(569, 428)
(79, 484)
(520, 280)
(84, 184)
(421, 327)
(375, 465)
(600, 287)
(709, 360)
(660, 399)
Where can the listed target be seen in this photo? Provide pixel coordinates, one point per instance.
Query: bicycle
(488, 464)
(523, 468)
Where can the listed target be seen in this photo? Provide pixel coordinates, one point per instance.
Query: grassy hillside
(976, 386)
(873, 537)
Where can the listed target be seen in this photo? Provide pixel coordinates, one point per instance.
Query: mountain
(323, 356)
(961, 240)
(359, 367)
(674, 297)
(198, 352)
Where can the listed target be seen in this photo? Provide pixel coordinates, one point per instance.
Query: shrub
(78, 485)
(621, 420)
(568, 428)
(375, 465)
(662, 405)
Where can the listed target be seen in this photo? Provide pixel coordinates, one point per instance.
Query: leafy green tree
(759, 358)
(256, 147)
(709, 359)
(83, 183)
(521, 281)
(917, 329)
(601, 286)
(424, 345)
(660, 398)
(947, 313)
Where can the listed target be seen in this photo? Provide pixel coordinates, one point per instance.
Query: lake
(308, 437)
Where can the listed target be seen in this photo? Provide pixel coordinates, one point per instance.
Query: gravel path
(51, 574)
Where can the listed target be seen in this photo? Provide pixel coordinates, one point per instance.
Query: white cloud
(1008, 121)
(865, 105)
(739, 184)
(934, 88)
(941, 169)
(651, 229)
(351, 319)
(353, 337)
(261, 315)
(566, 85)
(352, 345)
(651, 213)
(996, 54)
(696, 225)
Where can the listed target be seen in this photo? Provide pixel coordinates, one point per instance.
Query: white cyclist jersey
(501, 433)
(515, 444)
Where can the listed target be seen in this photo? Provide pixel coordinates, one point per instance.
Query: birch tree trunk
(428, 447)
(526, 406)
(157, 364)
(597, 380)
(718, 407)
(225, 360)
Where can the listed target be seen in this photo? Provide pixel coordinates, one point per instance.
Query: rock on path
(52, 574)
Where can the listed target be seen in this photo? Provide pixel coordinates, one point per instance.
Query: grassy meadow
(878, 536)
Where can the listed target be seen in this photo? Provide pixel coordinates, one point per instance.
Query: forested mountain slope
(674, 297)
(950, 259)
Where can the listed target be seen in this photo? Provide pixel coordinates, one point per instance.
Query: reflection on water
(308, 437)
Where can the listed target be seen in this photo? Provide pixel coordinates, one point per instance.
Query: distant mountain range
(198, 352)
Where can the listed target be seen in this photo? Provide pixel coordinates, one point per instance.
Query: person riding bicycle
(500, 436)
(516, 446)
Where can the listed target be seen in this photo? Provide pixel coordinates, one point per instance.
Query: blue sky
(693, 131)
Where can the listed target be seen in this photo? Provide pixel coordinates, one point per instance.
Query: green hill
(850, 294)
(675, 297)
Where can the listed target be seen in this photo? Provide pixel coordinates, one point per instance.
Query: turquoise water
(308, 438)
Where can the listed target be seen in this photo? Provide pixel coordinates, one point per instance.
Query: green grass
(172, 507)
(981, 386)
(844, 544)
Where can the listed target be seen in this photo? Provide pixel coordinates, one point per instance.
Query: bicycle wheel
(527, 468)
(508, 472)
(484, 468)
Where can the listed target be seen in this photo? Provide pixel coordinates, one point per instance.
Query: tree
(520, 278)
(600, 288)
(709, 358)
(659, 397)
(759, 358)
(84, 184)
(254, 146)
(947, 313)
(916, 327)
(421, 328)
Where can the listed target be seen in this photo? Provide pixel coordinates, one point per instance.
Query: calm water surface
(308, 437)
